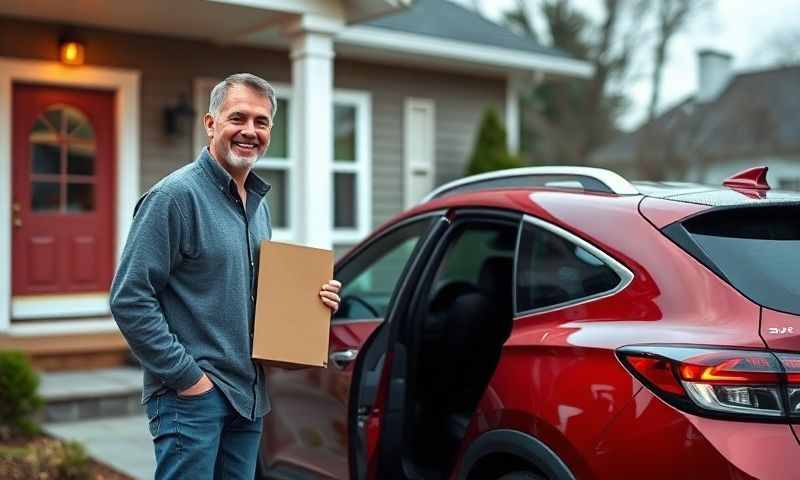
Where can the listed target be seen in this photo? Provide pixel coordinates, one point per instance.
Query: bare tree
(519, 21)
(565, 119)
(672, 16)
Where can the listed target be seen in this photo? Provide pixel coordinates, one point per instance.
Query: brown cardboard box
(292, 325)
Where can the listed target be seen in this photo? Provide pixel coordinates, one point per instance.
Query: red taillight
(792, 365)
(659, 371)
(746, 383)
(736, 367)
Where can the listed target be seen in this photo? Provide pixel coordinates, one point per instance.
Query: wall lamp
(71, 51)
(175, 114)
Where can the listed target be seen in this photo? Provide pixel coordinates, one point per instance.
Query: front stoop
(90, 394)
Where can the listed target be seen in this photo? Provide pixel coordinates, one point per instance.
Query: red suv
(559, 323)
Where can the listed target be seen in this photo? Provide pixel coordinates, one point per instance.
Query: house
(379, 101)
(733, 122)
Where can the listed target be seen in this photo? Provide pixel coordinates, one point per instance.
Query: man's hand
(202, 386)
(329, 294)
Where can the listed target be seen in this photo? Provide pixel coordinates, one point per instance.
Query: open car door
(378, 390)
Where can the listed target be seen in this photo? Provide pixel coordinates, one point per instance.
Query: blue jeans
(202, 437)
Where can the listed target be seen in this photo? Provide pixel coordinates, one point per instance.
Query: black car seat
(471, 324)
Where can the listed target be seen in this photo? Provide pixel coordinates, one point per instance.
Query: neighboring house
(733, 122)
(379, 101)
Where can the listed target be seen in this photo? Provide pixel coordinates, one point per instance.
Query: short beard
(237, 161)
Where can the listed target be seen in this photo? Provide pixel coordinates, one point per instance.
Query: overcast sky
(742, 28)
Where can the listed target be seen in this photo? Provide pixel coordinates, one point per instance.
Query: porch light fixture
(177, 115)
(71, 51)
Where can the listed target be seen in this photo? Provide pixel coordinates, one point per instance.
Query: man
(184, 293)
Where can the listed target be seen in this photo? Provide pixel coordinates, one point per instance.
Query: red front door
(63, 173)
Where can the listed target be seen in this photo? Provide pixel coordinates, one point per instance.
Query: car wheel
(521, 476)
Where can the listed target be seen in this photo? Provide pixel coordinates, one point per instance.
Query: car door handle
(342, 358)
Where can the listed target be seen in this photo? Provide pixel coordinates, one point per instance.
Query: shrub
(46, 458)
(491, 152)
(19, 400)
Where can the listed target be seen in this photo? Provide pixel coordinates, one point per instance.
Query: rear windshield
(756, 249)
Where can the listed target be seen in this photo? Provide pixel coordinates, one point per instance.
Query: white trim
(512, 115)
(63, 327)
(126, 85)
(362, 167)
(409, 165)
(295, 7)
(54, 306)
(201, 90)
(425, 45)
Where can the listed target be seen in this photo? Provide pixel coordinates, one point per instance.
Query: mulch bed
(15, 462)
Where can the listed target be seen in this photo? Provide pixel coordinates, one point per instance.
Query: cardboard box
(292, 325)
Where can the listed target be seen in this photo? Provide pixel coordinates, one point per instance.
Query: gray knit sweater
(184, 293)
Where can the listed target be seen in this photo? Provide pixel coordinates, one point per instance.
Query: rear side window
(756, 249)
(553, 270)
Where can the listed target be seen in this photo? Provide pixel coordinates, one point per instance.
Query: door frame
(125, 84)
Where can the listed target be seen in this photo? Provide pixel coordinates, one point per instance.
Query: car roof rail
(589, 179)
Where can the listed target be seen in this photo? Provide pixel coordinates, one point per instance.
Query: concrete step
(90, 394)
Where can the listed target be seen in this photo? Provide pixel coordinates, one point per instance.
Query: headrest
(495, 275)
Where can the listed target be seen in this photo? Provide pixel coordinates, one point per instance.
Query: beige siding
(168, 67)
(460, 101)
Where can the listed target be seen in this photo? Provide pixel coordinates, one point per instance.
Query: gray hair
(254, 82)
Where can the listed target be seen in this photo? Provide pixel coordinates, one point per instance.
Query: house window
(351, 166)
(276, 168)
(351, 162)
(277, 164)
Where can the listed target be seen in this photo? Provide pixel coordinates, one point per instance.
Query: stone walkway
(101, 409)
(123, 443)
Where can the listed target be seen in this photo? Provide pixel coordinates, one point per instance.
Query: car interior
(461, 327)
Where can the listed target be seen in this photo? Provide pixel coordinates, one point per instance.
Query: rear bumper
(653, 440)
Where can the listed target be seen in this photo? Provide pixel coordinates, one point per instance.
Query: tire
(521, 476)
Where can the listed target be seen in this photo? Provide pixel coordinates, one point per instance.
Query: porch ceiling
(198, 19)
(261, 23)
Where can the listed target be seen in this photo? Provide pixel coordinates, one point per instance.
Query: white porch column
(512, 113)
(312, 86)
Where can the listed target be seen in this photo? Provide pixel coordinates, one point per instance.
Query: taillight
(791, 363)
(731, 383)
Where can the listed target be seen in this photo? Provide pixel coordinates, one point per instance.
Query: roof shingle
(444, 19)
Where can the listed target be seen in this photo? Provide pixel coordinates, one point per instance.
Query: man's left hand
(329, 294)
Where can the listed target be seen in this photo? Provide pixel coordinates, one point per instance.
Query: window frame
(624, 273)
(283, 91)
(361, 167)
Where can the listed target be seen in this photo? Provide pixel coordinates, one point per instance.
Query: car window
(553, 270)
(756, 249)
(369, 278)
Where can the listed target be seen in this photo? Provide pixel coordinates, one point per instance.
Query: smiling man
(184, 293)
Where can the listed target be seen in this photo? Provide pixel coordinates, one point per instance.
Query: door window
(63, 150)
(553, 270)
(479, 259)
(369, 279)
(474, 254)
